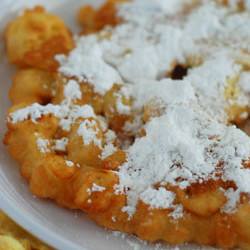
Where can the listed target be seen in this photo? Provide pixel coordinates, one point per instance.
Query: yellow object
(7, 242)
(13, 237)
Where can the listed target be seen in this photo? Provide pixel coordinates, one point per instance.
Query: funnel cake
(137, 123)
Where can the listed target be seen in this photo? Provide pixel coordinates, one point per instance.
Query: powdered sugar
(177, 212)
(190, 136)
(43, 145)
(34, 112)
(67, 114)
(61, 144)
(70, 164)
(120, 106)
(72, 90)
(141, 11)
(189, 147)
(110, 136)
(108, 150)
(244, 82)
(232, 199)
(96, 188)
(235, 32)
(86, 63)
(210, 16)
(160, 198)
(88, 131)
(210, 80)
(166, 90)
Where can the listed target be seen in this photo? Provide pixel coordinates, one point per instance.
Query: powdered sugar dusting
(166, 91)
(43, 145)
(72, 90)
(88, 131)
(244, 82)
(141, 11)
(70, 164)
(96, 188)
(189, 147)
(34, 112)
(108, 150)
(210, 80)
(61, 144)
(190, 136)
(86, 63)
(160, 198)
(232, 199)
(177, 212)
(66, 113)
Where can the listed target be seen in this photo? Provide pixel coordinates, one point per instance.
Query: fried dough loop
(104, 129)
(35, 37)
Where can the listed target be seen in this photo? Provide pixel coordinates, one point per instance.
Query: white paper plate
(61, 228)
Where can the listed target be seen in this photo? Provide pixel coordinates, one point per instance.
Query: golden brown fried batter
(49, 177)
(94, 20)
(34, 38)
(32, 85)
(32, 41)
